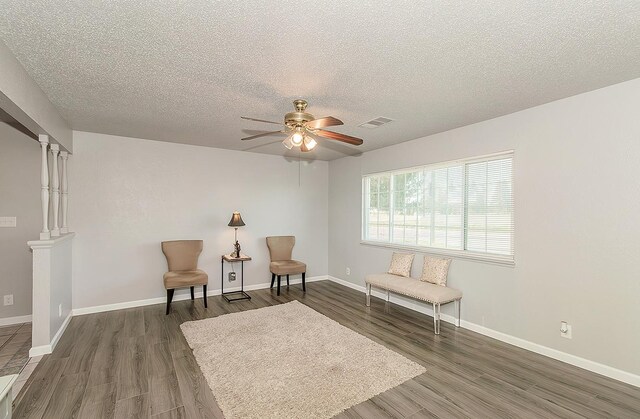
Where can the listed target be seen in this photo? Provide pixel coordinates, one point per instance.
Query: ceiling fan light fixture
(310, 142)
(287, 143)
(302, 128)
(297, 137)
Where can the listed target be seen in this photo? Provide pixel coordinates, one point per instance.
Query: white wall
(19, 197)
(577, 237)
(127, 195)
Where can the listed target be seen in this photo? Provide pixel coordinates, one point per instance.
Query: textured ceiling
(185, 71)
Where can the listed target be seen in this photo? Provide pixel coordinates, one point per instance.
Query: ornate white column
(65, 192)
(44, 187)
(55, 189)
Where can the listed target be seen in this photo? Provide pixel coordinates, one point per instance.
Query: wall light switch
(348, 271)
(8, 221)
(8, 300)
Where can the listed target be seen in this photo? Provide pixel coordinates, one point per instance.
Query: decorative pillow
(435, 270)
(401, 264)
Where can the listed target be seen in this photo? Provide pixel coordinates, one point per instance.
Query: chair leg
(204, 294)
(458, 303)
(192, 294)
(169, 298)
(287, 280)
(304, 286)
(278, 293)
(368, 295)
(273, 279)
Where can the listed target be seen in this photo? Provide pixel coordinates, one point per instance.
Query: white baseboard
(181, 297)
(602, 369)
(577, 361)
(8, 321)
(47, 349)
(40, 350)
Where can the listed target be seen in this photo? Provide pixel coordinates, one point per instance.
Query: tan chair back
(280, 247)
(182, 255)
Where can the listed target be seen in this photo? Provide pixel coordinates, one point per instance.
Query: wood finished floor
(136, 363)
(15, 342)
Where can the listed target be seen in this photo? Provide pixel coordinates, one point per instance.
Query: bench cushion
(414, 288)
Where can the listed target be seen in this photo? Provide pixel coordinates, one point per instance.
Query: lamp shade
(236, 220)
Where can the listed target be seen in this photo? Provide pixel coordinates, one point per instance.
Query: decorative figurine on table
(236, 253)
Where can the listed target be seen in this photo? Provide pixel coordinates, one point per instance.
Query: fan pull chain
(299, 164)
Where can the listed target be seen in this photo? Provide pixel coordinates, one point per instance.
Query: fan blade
(264, 134)
(261, 120)
(327, 121)
(339, 137)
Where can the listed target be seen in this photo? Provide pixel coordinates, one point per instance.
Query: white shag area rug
(289, 361)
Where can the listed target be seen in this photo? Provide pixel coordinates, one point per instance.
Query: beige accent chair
(182, 258)
(280, 250)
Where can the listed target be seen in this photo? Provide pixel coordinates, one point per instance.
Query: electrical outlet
(232, 276)
(565, 330)
(348, 271)
(8, 300)
(60, 310)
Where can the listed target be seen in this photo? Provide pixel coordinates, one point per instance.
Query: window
(463, 208)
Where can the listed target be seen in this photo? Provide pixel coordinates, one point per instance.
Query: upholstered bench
(419, 289)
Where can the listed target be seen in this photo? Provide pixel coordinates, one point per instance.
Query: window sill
(457, 254)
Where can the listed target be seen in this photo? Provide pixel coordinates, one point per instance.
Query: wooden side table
(234, 295)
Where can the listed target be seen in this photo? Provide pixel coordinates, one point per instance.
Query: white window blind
(464, 206)
(489, 207)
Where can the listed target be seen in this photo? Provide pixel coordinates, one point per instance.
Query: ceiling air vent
(375, 123)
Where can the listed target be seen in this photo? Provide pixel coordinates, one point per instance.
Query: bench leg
(436, 318)
(387, 296)
(458, 303)
(368, 295)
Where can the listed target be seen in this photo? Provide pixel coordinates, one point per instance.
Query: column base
(45, 236)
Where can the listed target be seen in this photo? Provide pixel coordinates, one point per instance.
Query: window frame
(505, 260)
